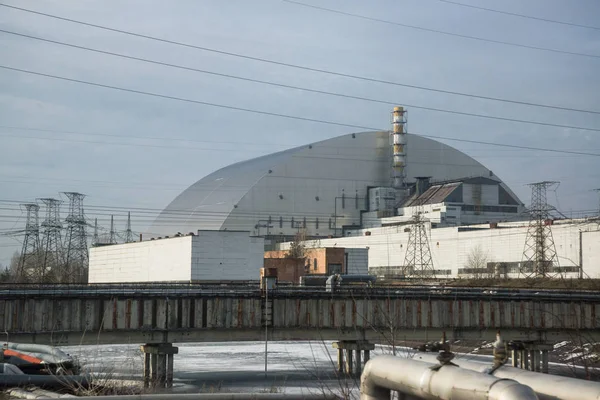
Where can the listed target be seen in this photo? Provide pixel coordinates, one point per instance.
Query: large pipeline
(46, 381)
(220, 396)
(547, 387)
(434, 382)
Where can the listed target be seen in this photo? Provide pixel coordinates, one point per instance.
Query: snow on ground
(293, 367)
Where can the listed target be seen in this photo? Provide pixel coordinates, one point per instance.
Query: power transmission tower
(112, 234)
(418, 261)
(95, 237)
(539, 256)
(51, 243)
(30, 267)
(76, 261)
(128, 231)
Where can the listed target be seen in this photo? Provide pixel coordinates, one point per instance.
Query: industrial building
(420, 207)
(206, 256)
(335, 185)
(492, 250)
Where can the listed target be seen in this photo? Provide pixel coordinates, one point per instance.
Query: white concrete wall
(450, 248)
(591, 253)
(226, 255)
(210, 255)
(150, 261)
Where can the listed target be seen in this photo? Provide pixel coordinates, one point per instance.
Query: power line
(272, 114)
(554, 21)
(262, 144)
(481, 39)
(302, 67)
(270, 83)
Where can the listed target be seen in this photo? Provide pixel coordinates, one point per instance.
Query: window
(315, 264)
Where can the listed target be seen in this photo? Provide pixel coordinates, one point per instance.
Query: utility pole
(128, 231)
(418, 261)
(112, 235)
(598, 191)
(539, 256)
(30, 268)
(51, 239)
(76, 262)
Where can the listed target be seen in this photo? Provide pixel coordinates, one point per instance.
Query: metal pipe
(430, 381)
(547, 387)
(220, 396)
(54, 381)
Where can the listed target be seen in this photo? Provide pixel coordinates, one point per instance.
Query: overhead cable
(273, 114)
(324, 92)
(302, 67)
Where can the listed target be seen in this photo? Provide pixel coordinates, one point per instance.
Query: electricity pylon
(539, 256)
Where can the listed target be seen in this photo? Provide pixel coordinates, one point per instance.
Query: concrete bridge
(153, 314)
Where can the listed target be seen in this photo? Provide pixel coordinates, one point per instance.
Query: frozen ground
(307, 367)
(229, 367)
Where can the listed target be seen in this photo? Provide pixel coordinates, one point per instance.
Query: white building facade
(207, 256)
(577, 245)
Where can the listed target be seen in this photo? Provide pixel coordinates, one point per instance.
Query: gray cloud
(130, 176)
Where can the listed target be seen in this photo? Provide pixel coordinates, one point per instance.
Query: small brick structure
(317, 261)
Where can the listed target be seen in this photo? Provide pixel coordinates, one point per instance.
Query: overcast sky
(128, 150)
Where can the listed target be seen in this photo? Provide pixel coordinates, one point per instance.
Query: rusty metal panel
(119, 316)
(325, 320)
(292, 313)
(198, 315)
(107, 316)
(8, 315)
(73, 315)
(316, 314)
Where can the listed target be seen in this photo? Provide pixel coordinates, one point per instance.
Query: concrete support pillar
(161, 370)
(525, 358)
(545, 361)
(153, 369)
(158, 364)
(532, 360)
(169, 370)
(358, 368)
(340, 360)
(146, 370)
(514, 356)
(349, 361)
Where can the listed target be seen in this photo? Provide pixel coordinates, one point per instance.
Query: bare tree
(477, 263)
(298, 245)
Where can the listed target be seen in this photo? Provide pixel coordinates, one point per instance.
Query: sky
(128, 151)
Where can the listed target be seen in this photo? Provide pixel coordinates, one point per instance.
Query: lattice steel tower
(76, 258)
(30, 266)
(51, 239)
(112, 236)
(539, 256)
(95, 238)
(418, 261)
(128, 231)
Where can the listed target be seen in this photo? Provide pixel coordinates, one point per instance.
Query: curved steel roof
(288, 182)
